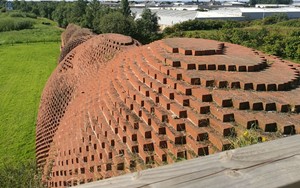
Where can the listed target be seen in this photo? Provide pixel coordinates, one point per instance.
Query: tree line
(96, 16)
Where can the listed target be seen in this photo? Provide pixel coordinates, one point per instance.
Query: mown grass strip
(24, 70)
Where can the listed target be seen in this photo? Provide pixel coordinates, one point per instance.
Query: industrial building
(171, 17)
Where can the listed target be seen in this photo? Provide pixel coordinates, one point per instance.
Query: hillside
(25, 68)
(41, 30)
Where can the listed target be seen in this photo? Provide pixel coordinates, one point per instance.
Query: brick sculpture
(113, 106)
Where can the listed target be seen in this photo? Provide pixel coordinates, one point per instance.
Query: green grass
(27, 58)
(39, 33)
(24, 70)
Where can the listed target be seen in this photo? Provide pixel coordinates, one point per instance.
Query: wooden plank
(271, 164)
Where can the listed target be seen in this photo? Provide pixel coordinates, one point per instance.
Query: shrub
(192, 25)
(290, 23)
(116, 22)
(30, 15)
(249, 137)
(273, 19)
(21, 174)
(9, 24)
(23, 15)
(16, 15)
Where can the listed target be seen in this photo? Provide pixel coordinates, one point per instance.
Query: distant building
(168, 17)
(258, 13)
(9, 5)
(271, 6)
(221, 14)
(248, 13)
(176, 14)
(235, 4)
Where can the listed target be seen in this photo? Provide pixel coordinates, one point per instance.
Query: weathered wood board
(271, 164)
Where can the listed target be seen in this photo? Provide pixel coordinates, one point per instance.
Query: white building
(271, 6)
(258, 13)
(248, 13)
(168, 17)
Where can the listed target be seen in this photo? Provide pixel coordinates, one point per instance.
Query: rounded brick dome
(113, 106)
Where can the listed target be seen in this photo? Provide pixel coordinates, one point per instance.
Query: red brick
(164, 102)
(161, 114)
(188, 66)
(200, 107)
(223, 101)
(176, 74)
(184, 88)
(245, 119)
(197, 119)
(266, 124)
(178, 110)
(225, 129)
(220, 143)
(182, 99)
(225, 115)
(177, 124)
(169, 93)
(203, 94)
(198, 133)
(173, 63)
(121, 101)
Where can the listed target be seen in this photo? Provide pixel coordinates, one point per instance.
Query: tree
(46, 9)
(275, 19)
(147, 27)
(78, 12)
(252, 2)
(2, 3)
(94, 12)
(125, 9)
(24, 6)
(91, 13)
(16, 4)
(116, 22)
(292, 48)
(60, 14)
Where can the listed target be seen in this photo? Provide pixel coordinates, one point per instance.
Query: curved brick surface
(113, 106)
(71, 38)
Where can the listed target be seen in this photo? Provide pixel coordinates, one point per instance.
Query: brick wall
(113, 106)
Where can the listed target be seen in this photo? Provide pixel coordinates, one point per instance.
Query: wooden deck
(271, 164)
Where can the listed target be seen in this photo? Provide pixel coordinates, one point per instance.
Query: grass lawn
(39, 33)
(24, 70)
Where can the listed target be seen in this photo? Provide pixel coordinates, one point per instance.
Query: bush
(168, 31)
(290, 23)
(30, 15)
(22, 174)
(249, 137)
(116, 22)
(9, 24)
(273, 19)
(192, 25)
(23, 15)
(16, 15)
